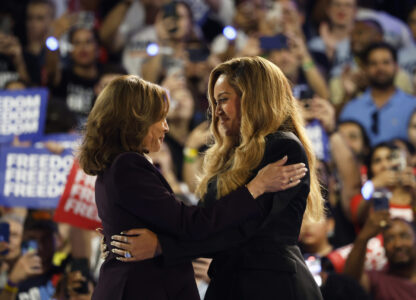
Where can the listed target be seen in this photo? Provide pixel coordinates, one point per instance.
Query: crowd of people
(352, 68)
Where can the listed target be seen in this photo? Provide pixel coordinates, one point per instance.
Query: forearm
(81, 242)
(354, 265)
(152, 67)
(21, 68)
(314, 78)
(111, 23)
(348, 169)
(52, 65)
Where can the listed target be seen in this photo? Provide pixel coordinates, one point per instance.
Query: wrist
(14, 279)
(307, 64)
(254, 189)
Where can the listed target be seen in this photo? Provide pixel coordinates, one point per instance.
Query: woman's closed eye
(221, 101)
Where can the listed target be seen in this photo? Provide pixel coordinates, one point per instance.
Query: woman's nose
(218, 110)
(165, 126)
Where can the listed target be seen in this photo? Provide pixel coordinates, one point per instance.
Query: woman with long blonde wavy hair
(255, 120)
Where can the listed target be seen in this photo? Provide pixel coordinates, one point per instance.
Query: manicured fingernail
(123, 232)
(113, 250)
(113, 243)
(118, 258)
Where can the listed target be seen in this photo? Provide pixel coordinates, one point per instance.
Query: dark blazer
(133, 194)
(260, 259)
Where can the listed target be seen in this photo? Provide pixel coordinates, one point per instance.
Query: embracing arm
(175, 251)
(141, 190)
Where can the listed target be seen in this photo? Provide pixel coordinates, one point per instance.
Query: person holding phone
(255, 121)
(398, 280)
(390, 186)
(127, 122)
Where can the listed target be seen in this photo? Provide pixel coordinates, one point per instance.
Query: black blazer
(133, 194)
(260, 259)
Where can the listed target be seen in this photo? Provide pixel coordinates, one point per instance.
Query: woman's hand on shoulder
(136, 245)
(276, 177)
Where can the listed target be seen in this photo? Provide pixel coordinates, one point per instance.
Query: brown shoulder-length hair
(267, 105)
(119, 121)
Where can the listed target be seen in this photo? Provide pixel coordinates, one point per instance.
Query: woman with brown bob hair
(126, 122)
(255, 121)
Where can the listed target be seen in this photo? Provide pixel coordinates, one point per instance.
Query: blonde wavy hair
(267, 105)
(119, 121)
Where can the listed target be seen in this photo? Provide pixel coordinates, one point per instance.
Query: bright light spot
(229, 32)
(52, 43)
(152, 49)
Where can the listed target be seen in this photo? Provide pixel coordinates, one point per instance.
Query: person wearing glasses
(383, 110)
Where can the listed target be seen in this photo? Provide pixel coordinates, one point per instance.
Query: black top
(259, 244)
(77, 92)
(133, 194)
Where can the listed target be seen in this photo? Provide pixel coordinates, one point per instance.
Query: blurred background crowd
(352, 66)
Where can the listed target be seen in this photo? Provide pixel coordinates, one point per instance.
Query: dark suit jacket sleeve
(175, 251)
(141, 191)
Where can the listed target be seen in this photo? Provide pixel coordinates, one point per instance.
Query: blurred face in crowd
(184, 22)
(381, 69)
(341, 12)
(314, 234)
(181, 105)
(16, 233)
(84, 51)
(228, 110)
(38, 20)
(286, 61)
(411, 130)
(411, 21)
(399, 243)
(381, 160)
(248, 14)
(353, 137)
(178, 27)
(363, 34)
(155, 136)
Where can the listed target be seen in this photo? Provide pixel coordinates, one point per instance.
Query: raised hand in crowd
(386, 178)
(323, 111)
(27, 265)
(10, 46)
(406, 178)
(319, 109)
(329, 39)
(354, 266)
(312, 73)
(63, 24)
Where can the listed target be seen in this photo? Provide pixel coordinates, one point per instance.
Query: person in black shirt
(75, 84)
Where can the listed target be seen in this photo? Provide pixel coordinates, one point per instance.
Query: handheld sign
(77, 205)
(22, 113)
(33, 178)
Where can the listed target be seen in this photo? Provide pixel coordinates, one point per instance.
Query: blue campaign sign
(33, 178)
(66, 140)
(22, 113)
